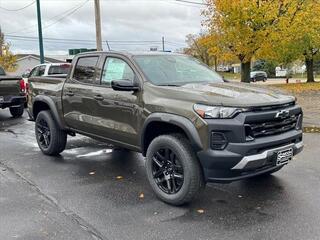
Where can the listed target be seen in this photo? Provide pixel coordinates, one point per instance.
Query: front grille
(271, 127)
(272, 107)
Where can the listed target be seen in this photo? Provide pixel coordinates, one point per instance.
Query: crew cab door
(78, 98)
(119, 111)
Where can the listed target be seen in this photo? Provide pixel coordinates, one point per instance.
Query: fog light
(218, 141)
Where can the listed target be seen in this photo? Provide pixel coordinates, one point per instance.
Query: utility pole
(98, 24)
(163, 49)
(1, 42)
(40, 32)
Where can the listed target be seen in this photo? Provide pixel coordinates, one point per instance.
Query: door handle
(98, 97)
(70, 93)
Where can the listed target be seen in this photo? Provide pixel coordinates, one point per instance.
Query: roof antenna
(108, 45)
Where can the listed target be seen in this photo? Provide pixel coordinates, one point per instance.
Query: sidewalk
(310, 103)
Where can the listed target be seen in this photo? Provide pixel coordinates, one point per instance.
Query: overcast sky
(122, 20)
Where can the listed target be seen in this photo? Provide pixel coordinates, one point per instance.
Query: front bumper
(244, 158)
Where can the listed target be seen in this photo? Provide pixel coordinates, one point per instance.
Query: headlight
(205, 111)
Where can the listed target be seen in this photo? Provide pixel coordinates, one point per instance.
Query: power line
(68, 13)
(22, 30)
(18, 9)
(82, 40)
(92, 42)
(191, 2)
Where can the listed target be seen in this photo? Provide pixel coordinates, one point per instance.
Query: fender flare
(52, 107)
(184, 123)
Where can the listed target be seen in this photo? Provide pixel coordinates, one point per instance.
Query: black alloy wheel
(167, 171)
(44, 134)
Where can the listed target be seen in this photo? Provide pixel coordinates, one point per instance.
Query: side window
(34, 72)
(116, 69)
(85, 69)
(41, 70)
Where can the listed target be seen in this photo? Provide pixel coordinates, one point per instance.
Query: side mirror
(124, 85)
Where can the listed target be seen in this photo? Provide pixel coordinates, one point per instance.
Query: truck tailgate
(10, 86)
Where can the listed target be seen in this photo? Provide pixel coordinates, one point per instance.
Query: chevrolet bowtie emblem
(282, 114)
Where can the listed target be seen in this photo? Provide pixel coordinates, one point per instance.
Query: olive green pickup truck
(12, 93)
(192, 126)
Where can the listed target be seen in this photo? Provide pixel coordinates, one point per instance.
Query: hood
(228, 94)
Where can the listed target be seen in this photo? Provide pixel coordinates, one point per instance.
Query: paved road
(45, 197)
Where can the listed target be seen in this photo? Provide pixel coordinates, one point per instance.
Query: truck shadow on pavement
(120, 178)
(91, 178)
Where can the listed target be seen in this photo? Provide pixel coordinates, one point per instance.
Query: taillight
(22, 86)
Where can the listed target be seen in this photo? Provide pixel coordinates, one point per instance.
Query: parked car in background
(56, 70)
(192, 126)
(12, 93)
(48, 70)
(258, 76)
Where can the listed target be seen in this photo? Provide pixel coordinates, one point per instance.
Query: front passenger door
(119, 110)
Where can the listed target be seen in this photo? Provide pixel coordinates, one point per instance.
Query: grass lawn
(230, 76)
(299, 87)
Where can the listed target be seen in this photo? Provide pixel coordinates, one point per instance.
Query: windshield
(175, 70)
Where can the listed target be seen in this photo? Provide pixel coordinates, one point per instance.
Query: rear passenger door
(80, 106)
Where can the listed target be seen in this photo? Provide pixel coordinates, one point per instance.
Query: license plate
(284, 156)
(1, 99)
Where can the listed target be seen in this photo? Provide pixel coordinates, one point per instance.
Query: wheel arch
(42, 103)
(163, 123)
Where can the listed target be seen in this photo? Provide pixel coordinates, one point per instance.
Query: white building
(25, 62)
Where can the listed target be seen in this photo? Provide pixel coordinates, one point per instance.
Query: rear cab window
(59, 69)
(85, 68)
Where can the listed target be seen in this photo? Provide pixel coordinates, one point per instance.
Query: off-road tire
(17, 111)
(193, 181)
(58, 137)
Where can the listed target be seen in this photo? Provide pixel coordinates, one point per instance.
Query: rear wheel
(51, 139)
(173, 169)
(17, 111)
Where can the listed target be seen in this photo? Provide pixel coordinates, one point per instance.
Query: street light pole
(98, 24)
(40, 32)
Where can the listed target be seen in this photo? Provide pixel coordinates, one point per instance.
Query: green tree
(208, 49)
(8, 59)
(249, 28)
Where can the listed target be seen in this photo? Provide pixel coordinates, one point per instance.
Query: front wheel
(173, 169)
(17, 111)
(51, 139)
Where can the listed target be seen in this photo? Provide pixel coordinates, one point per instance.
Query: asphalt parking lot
(95, 192)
